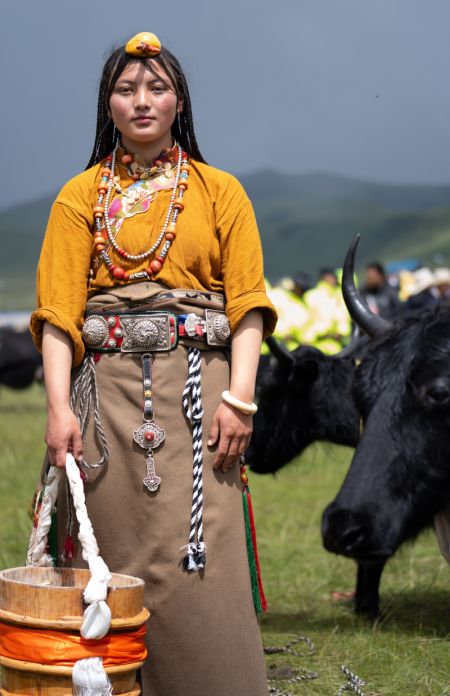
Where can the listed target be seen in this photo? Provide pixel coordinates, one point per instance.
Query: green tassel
(53, 540)
(251, 558)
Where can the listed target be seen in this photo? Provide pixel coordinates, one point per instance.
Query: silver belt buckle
(146, 332)
(218, 329)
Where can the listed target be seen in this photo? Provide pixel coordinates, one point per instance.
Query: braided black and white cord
(301, 675)
(295, 676)
(289, 647)
(354, 683)
(192, 404)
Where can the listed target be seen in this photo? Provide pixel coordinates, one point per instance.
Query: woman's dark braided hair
(182, 127)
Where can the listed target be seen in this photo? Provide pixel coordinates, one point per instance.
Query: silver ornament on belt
(95, 331)
(145, 333)
(221, 327)
(217, 328)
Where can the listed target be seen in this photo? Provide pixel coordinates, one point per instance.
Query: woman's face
(144, 105)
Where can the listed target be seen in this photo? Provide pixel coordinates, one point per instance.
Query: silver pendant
(151, 480)
(149, 436)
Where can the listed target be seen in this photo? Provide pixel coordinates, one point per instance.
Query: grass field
(407, 654)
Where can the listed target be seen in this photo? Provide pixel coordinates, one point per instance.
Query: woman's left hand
(231, 431)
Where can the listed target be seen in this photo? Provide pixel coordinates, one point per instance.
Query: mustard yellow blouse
(217, 246)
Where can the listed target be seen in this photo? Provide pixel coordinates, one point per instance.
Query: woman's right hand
(63, 435)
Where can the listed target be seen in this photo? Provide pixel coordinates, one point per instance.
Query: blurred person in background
(423, 294)
(328, 275)
(287, 297)
(406, 284)
(329, 324)
(442, 283)
(381, 297)
(301, 283)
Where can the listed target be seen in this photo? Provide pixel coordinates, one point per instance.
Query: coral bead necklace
(165, 237)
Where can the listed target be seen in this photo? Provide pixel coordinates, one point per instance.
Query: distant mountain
(21, 231)
(306, 221)
(322, 187)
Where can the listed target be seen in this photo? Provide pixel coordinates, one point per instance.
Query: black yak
(397, 386)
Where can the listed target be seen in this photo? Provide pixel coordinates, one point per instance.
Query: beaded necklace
(168, 232)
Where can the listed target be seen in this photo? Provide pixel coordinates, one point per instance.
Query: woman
(140, 251)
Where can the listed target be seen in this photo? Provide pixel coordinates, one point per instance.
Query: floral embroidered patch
(136, 198)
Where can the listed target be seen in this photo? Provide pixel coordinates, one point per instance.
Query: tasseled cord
(195, 558)
(259, 599)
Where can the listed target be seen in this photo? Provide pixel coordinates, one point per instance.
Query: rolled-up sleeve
(242, 264)
(62, 276)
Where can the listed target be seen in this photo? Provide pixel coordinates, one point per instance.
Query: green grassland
(404, 655)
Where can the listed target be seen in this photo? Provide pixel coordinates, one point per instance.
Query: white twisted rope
(97, 616)
(89, 678)
(192, 404)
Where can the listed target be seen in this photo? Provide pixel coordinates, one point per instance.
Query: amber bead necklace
(166, 236)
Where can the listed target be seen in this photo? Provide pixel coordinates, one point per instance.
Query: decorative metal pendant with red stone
(149, 436)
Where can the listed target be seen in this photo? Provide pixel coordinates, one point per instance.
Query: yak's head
(302, 396)
(399, 477)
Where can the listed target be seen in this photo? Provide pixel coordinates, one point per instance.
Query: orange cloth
(217, 248)
(63, 649)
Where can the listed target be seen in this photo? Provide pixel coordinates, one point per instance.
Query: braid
(187, 137)
(104, 135)
(182, 128)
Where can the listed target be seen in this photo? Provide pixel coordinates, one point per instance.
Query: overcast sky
(354, 86)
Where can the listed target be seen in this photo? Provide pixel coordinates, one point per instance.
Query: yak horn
(357, 307)
(279, 351)
(349, 350)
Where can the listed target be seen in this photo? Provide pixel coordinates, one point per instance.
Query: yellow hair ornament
(143, 45)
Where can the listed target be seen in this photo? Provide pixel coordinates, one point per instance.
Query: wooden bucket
(42, 598)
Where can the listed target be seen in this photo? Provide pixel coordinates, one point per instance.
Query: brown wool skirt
(203, 636)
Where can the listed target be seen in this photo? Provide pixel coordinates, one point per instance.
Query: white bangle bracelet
(248, 409)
